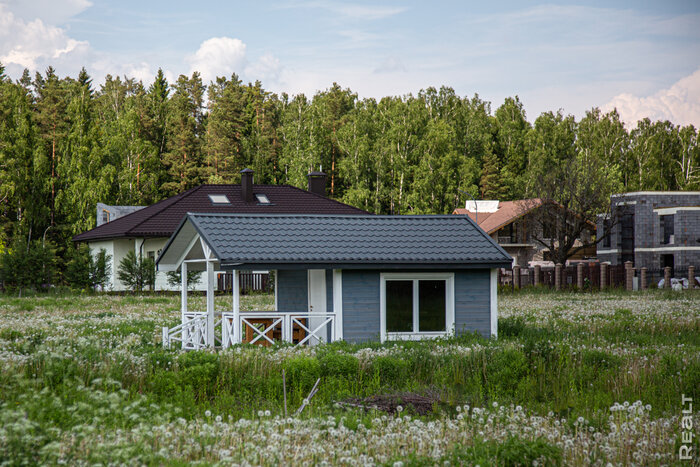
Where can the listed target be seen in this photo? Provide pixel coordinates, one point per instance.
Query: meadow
(574, 378)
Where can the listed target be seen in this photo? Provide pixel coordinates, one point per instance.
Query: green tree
(225, 130)
(28, 265)
(85, 271)
(175, 278)
(137, 272)
(186, 124)
(512, 128)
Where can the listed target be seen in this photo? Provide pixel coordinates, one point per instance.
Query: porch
(306, 322)
(252, 327)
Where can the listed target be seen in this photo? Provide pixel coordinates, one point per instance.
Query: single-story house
(516, 226)
(355, 278)
(145, 230)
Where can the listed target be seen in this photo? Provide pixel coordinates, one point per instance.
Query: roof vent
(262, 198)
(219, 199)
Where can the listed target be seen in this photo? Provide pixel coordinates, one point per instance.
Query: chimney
(247, 185)
(317, 183)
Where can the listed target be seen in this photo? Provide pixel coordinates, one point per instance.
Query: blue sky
(641, 57)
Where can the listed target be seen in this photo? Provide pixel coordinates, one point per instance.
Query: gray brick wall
(648, 230)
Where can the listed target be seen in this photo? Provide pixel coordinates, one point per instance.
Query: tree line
(66, 144)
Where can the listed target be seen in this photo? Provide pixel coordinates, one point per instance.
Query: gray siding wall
(292, 290)
(473, 302)
(360, 305)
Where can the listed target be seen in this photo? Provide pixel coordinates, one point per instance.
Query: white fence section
(192, 332)
(259, 326)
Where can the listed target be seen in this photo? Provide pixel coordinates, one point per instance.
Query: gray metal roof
(365, 241)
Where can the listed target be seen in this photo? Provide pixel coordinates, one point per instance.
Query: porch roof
(242, 241)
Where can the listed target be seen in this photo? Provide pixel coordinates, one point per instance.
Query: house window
(607, 233)
(105, 216)
(152, 255)
(219, 199)
(416, 305)
(667, 228)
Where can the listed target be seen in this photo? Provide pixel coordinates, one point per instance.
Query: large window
(416, 305)
(667, 229)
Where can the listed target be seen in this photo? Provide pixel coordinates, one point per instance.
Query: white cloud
(218, 56)
(267, 69)
(680, 103)
(222, 56)
(34, 44)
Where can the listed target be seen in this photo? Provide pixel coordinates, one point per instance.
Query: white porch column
(338, 302)
(183, 302)
(494, 302)
(183, 291)
(235, 287)
(210, 303)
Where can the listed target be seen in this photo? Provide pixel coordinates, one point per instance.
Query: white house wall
(118, 249)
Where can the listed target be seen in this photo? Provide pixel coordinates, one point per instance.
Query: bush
(28, 265)
(390, 369)
(341, 365)
(85, 271)
(137, 273)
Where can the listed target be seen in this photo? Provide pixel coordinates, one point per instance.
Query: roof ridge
(350, 216)
(322, 197)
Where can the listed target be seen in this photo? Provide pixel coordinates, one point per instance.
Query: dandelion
(207, 413)
(399, 409)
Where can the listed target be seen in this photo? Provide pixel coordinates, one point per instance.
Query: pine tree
(51, 106)
(186, 123)
(225, 130)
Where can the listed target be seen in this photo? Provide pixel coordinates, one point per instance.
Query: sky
(641, 57)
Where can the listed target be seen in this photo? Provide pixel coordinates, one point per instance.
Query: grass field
(585, 379)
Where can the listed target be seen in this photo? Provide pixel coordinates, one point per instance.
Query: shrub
(28, 265)
(85, 271)
(341, 365)
(137, 272)
(302, 373)
(389, 368)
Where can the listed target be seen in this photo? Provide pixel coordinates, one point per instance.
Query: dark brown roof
(161, 219)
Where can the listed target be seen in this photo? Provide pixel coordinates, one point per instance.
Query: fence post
(537, 275)
(516, 277)
(603, 275)
(643, 278)
(629, 275)
(557, 276)
(691, 277)
(667, 277)
(579, 276)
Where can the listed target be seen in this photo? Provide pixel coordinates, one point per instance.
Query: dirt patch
(393, 403)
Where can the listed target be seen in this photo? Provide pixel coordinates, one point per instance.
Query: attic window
(262, 199)
(219, 199)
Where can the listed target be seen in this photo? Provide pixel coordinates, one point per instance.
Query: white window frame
(449, 279)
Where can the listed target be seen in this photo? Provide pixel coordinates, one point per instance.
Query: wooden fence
(247, 281)
(585, 276)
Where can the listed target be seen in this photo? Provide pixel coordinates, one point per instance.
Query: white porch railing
(259, 326)
(192, 332)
